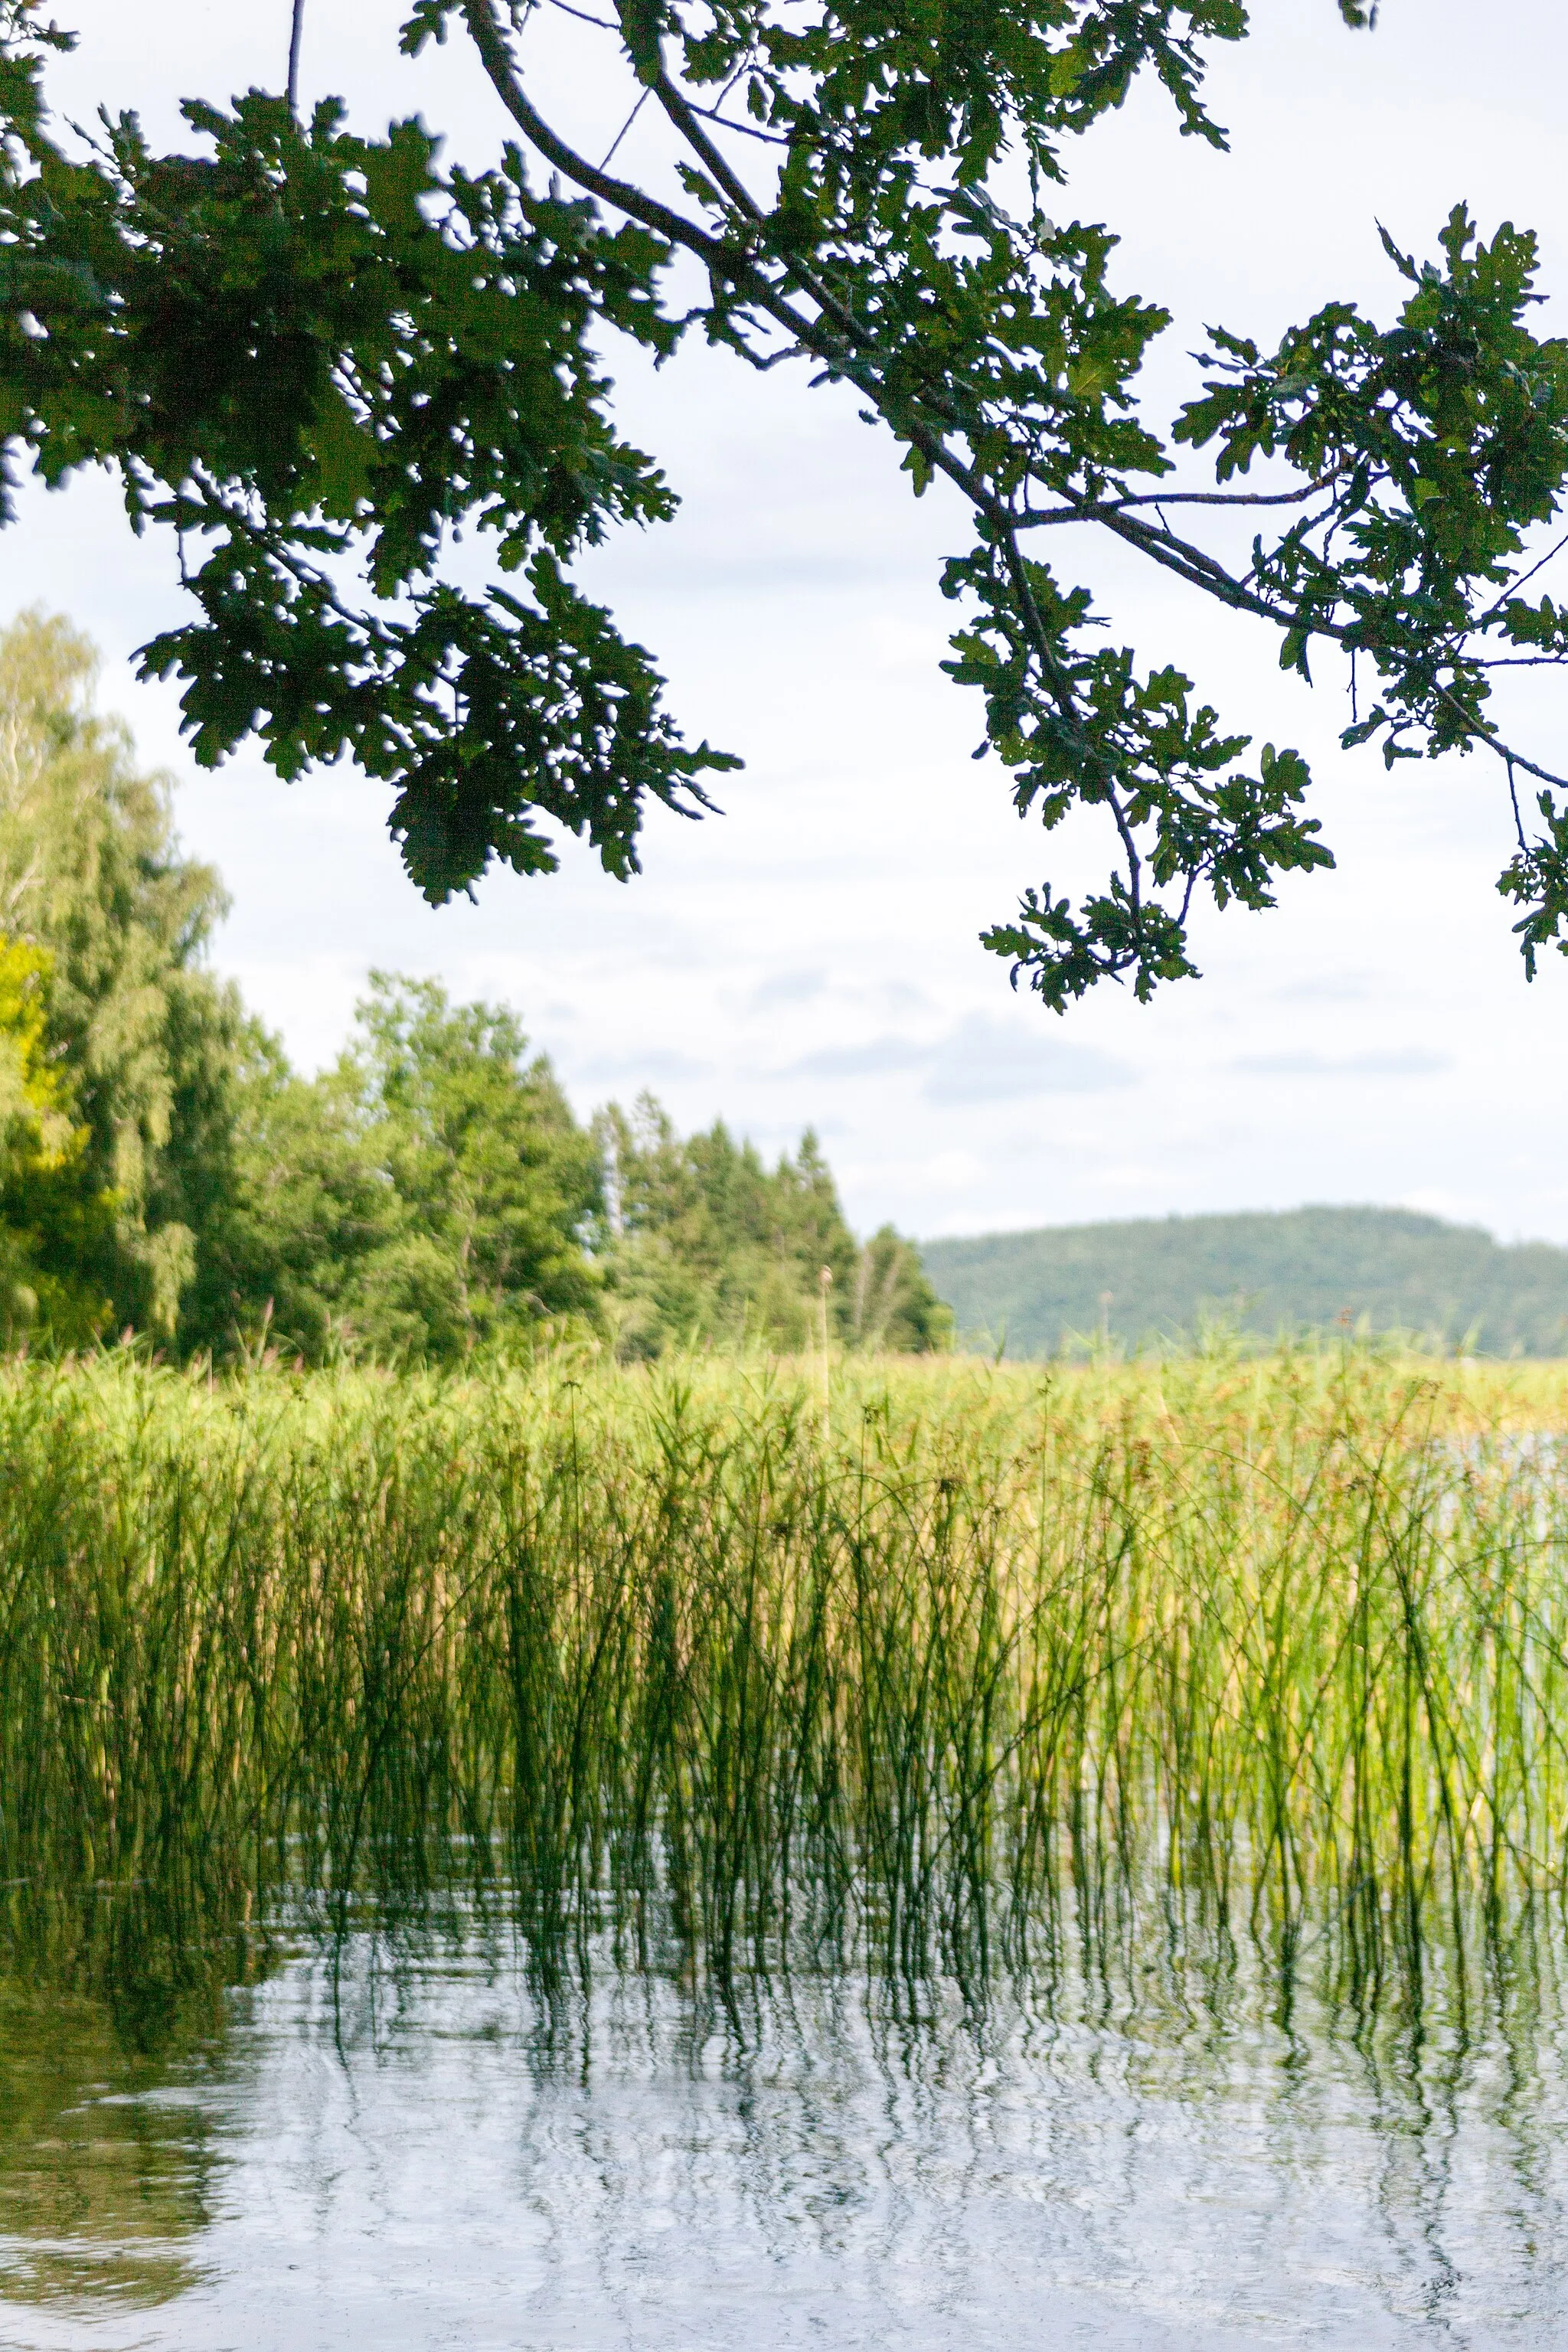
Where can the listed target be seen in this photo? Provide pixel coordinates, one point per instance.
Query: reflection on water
(412, 2146)
(103, 2161)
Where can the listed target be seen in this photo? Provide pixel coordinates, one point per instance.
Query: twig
(626, 125)
(1518, 821)
(1515, 585)
(745, 130)
(583, 16)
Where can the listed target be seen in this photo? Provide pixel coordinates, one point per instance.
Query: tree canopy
(430, 1198)
(91, 877)
(321, 356)
(55, 1225)
(705, 1240)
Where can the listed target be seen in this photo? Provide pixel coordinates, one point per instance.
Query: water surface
(414, 2145)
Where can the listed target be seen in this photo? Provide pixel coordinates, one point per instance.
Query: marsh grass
(984, 1663)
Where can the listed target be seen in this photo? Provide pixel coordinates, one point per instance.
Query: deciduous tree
(92, 873)
(319, 355)
(427, 1197)
(57, 1227)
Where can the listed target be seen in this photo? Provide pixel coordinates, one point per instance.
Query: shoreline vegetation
(749, 1664)
(576, 1523)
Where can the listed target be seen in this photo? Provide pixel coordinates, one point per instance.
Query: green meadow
(759, 1664)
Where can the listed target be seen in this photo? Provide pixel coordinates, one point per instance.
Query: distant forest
(430, 1199)
(1035, 1293)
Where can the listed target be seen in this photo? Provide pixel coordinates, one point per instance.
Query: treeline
(432, 1197)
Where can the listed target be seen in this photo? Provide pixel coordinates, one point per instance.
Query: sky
(811, 957)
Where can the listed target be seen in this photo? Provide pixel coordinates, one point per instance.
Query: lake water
(415, 2148)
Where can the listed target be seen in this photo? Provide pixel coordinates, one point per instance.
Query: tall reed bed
(959, 1662)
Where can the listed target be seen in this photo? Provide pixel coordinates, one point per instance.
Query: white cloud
(986, 1060)
(1394, 1062)
(877, 1057)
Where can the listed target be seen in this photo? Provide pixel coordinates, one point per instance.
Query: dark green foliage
(316, 352)
(704, 1243)
(494, 1179)
(305, 1204)
(431, 1197)
(1313, 1269)
(427, 1197)
(308, 344)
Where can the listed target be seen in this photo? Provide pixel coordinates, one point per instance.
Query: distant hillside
(1301, 1268)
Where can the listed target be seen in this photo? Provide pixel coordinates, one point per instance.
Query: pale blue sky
(812, 956)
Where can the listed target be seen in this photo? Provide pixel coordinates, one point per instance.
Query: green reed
(980, 1658)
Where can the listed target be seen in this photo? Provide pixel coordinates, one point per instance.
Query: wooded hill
(1301, 1269)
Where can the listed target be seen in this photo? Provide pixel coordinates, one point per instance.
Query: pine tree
(706, 1244)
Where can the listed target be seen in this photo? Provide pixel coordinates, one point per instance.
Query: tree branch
(697, 139)
(1229, 498)
(296, 29)
(496, 57)
(1200, 571)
